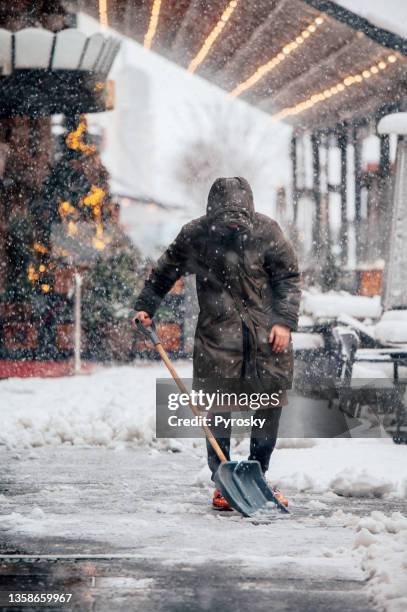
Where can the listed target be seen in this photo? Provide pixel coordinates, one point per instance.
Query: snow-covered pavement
(83, 476)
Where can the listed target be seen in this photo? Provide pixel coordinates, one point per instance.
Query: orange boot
(279, 496)
(219, 502)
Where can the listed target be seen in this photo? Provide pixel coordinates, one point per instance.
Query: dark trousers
(262, 441)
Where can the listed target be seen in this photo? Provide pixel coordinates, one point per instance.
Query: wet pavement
(125, 530)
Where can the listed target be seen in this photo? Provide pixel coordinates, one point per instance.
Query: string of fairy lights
(94, 199)
(282, 55)
(338, 88)
(261, 71)
(152, 26)
(212, 36)
(103, 18)
(70, 215)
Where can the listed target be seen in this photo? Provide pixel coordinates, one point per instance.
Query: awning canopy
(311, 63)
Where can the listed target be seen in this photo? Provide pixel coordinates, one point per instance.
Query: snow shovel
(242, 483)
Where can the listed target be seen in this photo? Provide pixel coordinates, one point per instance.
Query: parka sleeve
(282, 266)
(169, 268)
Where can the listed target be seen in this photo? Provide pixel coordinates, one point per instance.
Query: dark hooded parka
(247, 280)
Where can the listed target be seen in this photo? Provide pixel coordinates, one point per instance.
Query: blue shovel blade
(243, 484)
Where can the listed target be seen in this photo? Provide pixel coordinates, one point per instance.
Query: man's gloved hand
(143, 317)
(279, 338)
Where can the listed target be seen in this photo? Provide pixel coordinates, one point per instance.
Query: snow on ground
(113, 410)
(143, 505)
(353, 468)
(115, 407)
(382, 541)
(110, 407)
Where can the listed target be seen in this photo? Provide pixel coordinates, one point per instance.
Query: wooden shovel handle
(211, 438)
(152, 335)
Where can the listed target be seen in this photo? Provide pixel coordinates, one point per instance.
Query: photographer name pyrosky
(216, 420)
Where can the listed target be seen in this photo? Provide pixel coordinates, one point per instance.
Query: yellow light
(74, 140)
(152, 26)
(305, 34)
(98, 240)
(212, 36)
(40, 248)
(42, 268)
(65, 209)
(72, 228)
(95, 197)
(104, 22)
(272, 63)
(45, 287)
(311, 28)
(98, 244)
(317, 97)
(392, 59)
(319, 20)
(32, 274)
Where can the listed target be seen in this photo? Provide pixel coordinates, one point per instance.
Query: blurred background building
(287, 93)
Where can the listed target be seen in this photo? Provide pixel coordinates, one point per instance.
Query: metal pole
(77, 323)
(342, 143)
(293, 154)
(358, 195)
(316, 168)
(385, 200)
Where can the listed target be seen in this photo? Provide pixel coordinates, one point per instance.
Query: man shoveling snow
(247, 283)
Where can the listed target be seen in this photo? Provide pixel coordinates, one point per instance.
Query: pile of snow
(380, 547)
(372, 371)
(392, 327)
(348, 467)
(333, 304)
(306, 341)
(360, 484)
(110, 407)
(382, 541)
(395, 123)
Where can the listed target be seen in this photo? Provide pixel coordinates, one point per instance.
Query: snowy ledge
(69, 49)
